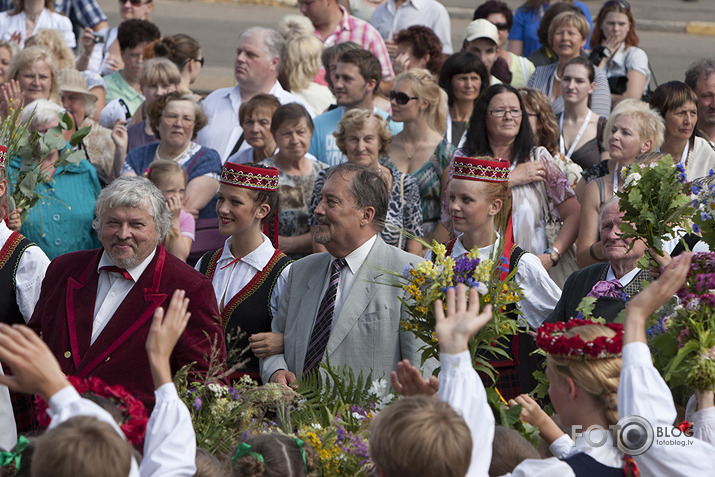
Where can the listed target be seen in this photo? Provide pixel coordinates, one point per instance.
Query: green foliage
(655, 200)
(509, 417)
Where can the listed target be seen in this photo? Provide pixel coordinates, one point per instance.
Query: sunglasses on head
(617, 3)
(136, 3)
(401, 98)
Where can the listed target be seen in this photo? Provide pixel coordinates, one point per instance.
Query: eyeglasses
(500, 113)
(617, 3)
(199, 60)
(401, 98)
(501, 26)
(135, 3)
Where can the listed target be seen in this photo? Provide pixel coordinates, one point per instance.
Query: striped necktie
(323, 322)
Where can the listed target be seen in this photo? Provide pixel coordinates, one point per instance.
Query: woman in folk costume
(248, 273)
(478, 195)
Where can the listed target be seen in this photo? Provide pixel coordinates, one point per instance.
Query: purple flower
(406, 271)
(197, 403)
(696, 189)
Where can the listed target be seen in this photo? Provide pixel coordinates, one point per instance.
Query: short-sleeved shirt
(360, 32)
(117, 88)
(628, 59)
(197, 161)
(430, 13)
(526, 22)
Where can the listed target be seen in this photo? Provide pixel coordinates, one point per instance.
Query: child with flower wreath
(248, 273)
(583, 366)
(83, 438)
(479, 198)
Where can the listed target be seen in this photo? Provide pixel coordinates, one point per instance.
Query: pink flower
(681, 337)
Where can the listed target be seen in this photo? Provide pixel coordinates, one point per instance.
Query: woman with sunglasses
(499, 13)
(100, 50)
(419, 103)
(499, 128)
(617, 53)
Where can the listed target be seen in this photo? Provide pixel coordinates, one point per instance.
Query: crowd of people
(250, 230)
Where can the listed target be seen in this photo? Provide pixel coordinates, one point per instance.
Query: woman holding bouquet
(479, 199)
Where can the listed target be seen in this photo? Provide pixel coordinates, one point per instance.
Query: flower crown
(550, 337)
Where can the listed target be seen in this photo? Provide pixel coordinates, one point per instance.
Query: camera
(98, 38)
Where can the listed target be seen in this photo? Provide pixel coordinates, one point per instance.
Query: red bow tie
(114, 269)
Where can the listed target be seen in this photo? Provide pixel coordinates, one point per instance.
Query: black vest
(249, 311)
(584, 465)
(9, 260)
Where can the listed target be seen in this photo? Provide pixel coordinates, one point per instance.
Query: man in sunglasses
(356, 78)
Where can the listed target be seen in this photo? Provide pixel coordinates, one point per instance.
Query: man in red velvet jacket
(96, 306)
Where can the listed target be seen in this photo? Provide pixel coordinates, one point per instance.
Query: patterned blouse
(403, 212)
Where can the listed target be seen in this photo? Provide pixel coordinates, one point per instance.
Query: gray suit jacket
(365, 335)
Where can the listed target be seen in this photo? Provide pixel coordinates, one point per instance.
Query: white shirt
(429, 13)
(229, 281)
(642, 392)
(8, 437)
(625, 279)
(354, 260)
(608, 454)
(461, 388)
(10, 24)
(223, 130)
(112, 289)
(29, 275)
(170, 443)
(540, 292)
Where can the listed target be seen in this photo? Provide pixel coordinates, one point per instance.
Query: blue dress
(199, 161)
(61, 222)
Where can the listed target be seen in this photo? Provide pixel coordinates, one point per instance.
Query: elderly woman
(292, 128)
(678, 105)
(255, 117)
(419, 150)
(29, 16)
(616, 51)
(175, 119)
(62, 221)
(32, 75)
(499, 128)
(364, 137)
(463, 77)
(80, 103)
(633, 129)
(418, 47)
(302, 64)
(567, 36)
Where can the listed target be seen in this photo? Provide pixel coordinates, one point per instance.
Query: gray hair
(40, 112)
(273, 42)
(703, 67)
(613, 200)
(133, 192)
(367, 188)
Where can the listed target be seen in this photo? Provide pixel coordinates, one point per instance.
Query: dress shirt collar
(258, 258)
(625, 279)
(358, 256)
(458, 250)
(416, 4)
(234, 94)
(5, 232)
(135, 272)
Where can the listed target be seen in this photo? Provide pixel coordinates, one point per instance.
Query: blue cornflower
(696, 189)
(705, 216)
(696, 228)
(680, 167)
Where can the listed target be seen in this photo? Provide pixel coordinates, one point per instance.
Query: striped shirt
(360, 32)
(543, 80)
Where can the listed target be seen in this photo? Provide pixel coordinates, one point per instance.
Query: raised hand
(408, 381)
(166, 328)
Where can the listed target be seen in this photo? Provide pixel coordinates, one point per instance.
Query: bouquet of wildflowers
(704, 202)
(683, 331)
(655, 200)
(429, 280)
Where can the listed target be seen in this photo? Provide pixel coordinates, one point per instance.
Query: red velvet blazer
(65, 310)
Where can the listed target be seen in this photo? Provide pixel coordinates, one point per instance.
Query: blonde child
(170, 178)
(248, 273)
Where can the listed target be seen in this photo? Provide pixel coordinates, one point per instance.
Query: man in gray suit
(336, 305)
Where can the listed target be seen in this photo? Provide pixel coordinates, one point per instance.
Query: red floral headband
(3, 156)
(550, 337)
